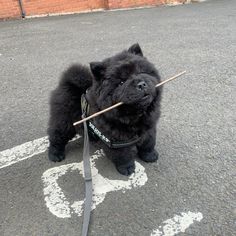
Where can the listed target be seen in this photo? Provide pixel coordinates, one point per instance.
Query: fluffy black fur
(127, 77)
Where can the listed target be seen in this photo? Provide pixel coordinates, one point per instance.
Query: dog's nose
(141, 85)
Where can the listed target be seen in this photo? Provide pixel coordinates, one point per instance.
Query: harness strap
(95, 131)
(88, 181)
(110, 144)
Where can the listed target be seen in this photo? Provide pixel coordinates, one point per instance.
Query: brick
(10, 8)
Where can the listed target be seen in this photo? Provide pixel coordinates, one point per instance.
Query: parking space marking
(58, 204)
(24, 151)
(55, 198)
(177, 224)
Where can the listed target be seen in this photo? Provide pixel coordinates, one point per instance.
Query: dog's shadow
(74, 153)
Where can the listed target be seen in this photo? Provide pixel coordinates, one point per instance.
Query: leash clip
(84, 105)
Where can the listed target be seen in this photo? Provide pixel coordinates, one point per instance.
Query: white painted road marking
(177, 224)
(24, 151)
(55, 198)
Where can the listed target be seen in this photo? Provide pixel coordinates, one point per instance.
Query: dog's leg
(146, 151)
(58, 138)
(123, 158)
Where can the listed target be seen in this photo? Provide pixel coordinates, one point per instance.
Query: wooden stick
(172, 78)
(120, 103)
(98, 113)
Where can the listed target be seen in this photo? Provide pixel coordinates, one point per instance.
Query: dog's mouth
(146, 96)
(146, 100)
(139, 100)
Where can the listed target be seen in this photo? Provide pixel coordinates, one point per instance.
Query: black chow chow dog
(127, 77)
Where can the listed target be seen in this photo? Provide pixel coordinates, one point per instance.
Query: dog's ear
(98, 69)
(135, 49)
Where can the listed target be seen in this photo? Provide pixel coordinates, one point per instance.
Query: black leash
(88, 181)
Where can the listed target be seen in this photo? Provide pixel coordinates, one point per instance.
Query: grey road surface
(196, 136)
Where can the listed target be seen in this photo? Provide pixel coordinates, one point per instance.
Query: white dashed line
(24, 151)
(177, 224)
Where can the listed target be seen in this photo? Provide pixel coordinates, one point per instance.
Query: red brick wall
(10, 8)
(132, 3)
(112, 4)
(37, 7)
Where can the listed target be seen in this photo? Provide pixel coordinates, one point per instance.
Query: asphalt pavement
(191, 190)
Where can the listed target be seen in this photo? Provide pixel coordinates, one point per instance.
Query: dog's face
(127, 77)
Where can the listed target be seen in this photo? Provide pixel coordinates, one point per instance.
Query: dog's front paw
(126, 169)
(149, 156)
(55, 154)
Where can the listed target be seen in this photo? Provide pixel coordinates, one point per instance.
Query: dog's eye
(121, 82)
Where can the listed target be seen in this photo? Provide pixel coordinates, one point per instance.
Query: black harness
(94, 131)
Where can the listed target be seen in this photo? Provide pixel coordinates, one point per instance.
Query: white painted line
(177, 224)
(24, 151)
(55, 198)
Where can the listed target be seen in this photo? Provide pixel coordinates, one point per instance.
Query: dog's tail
(77, 75)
